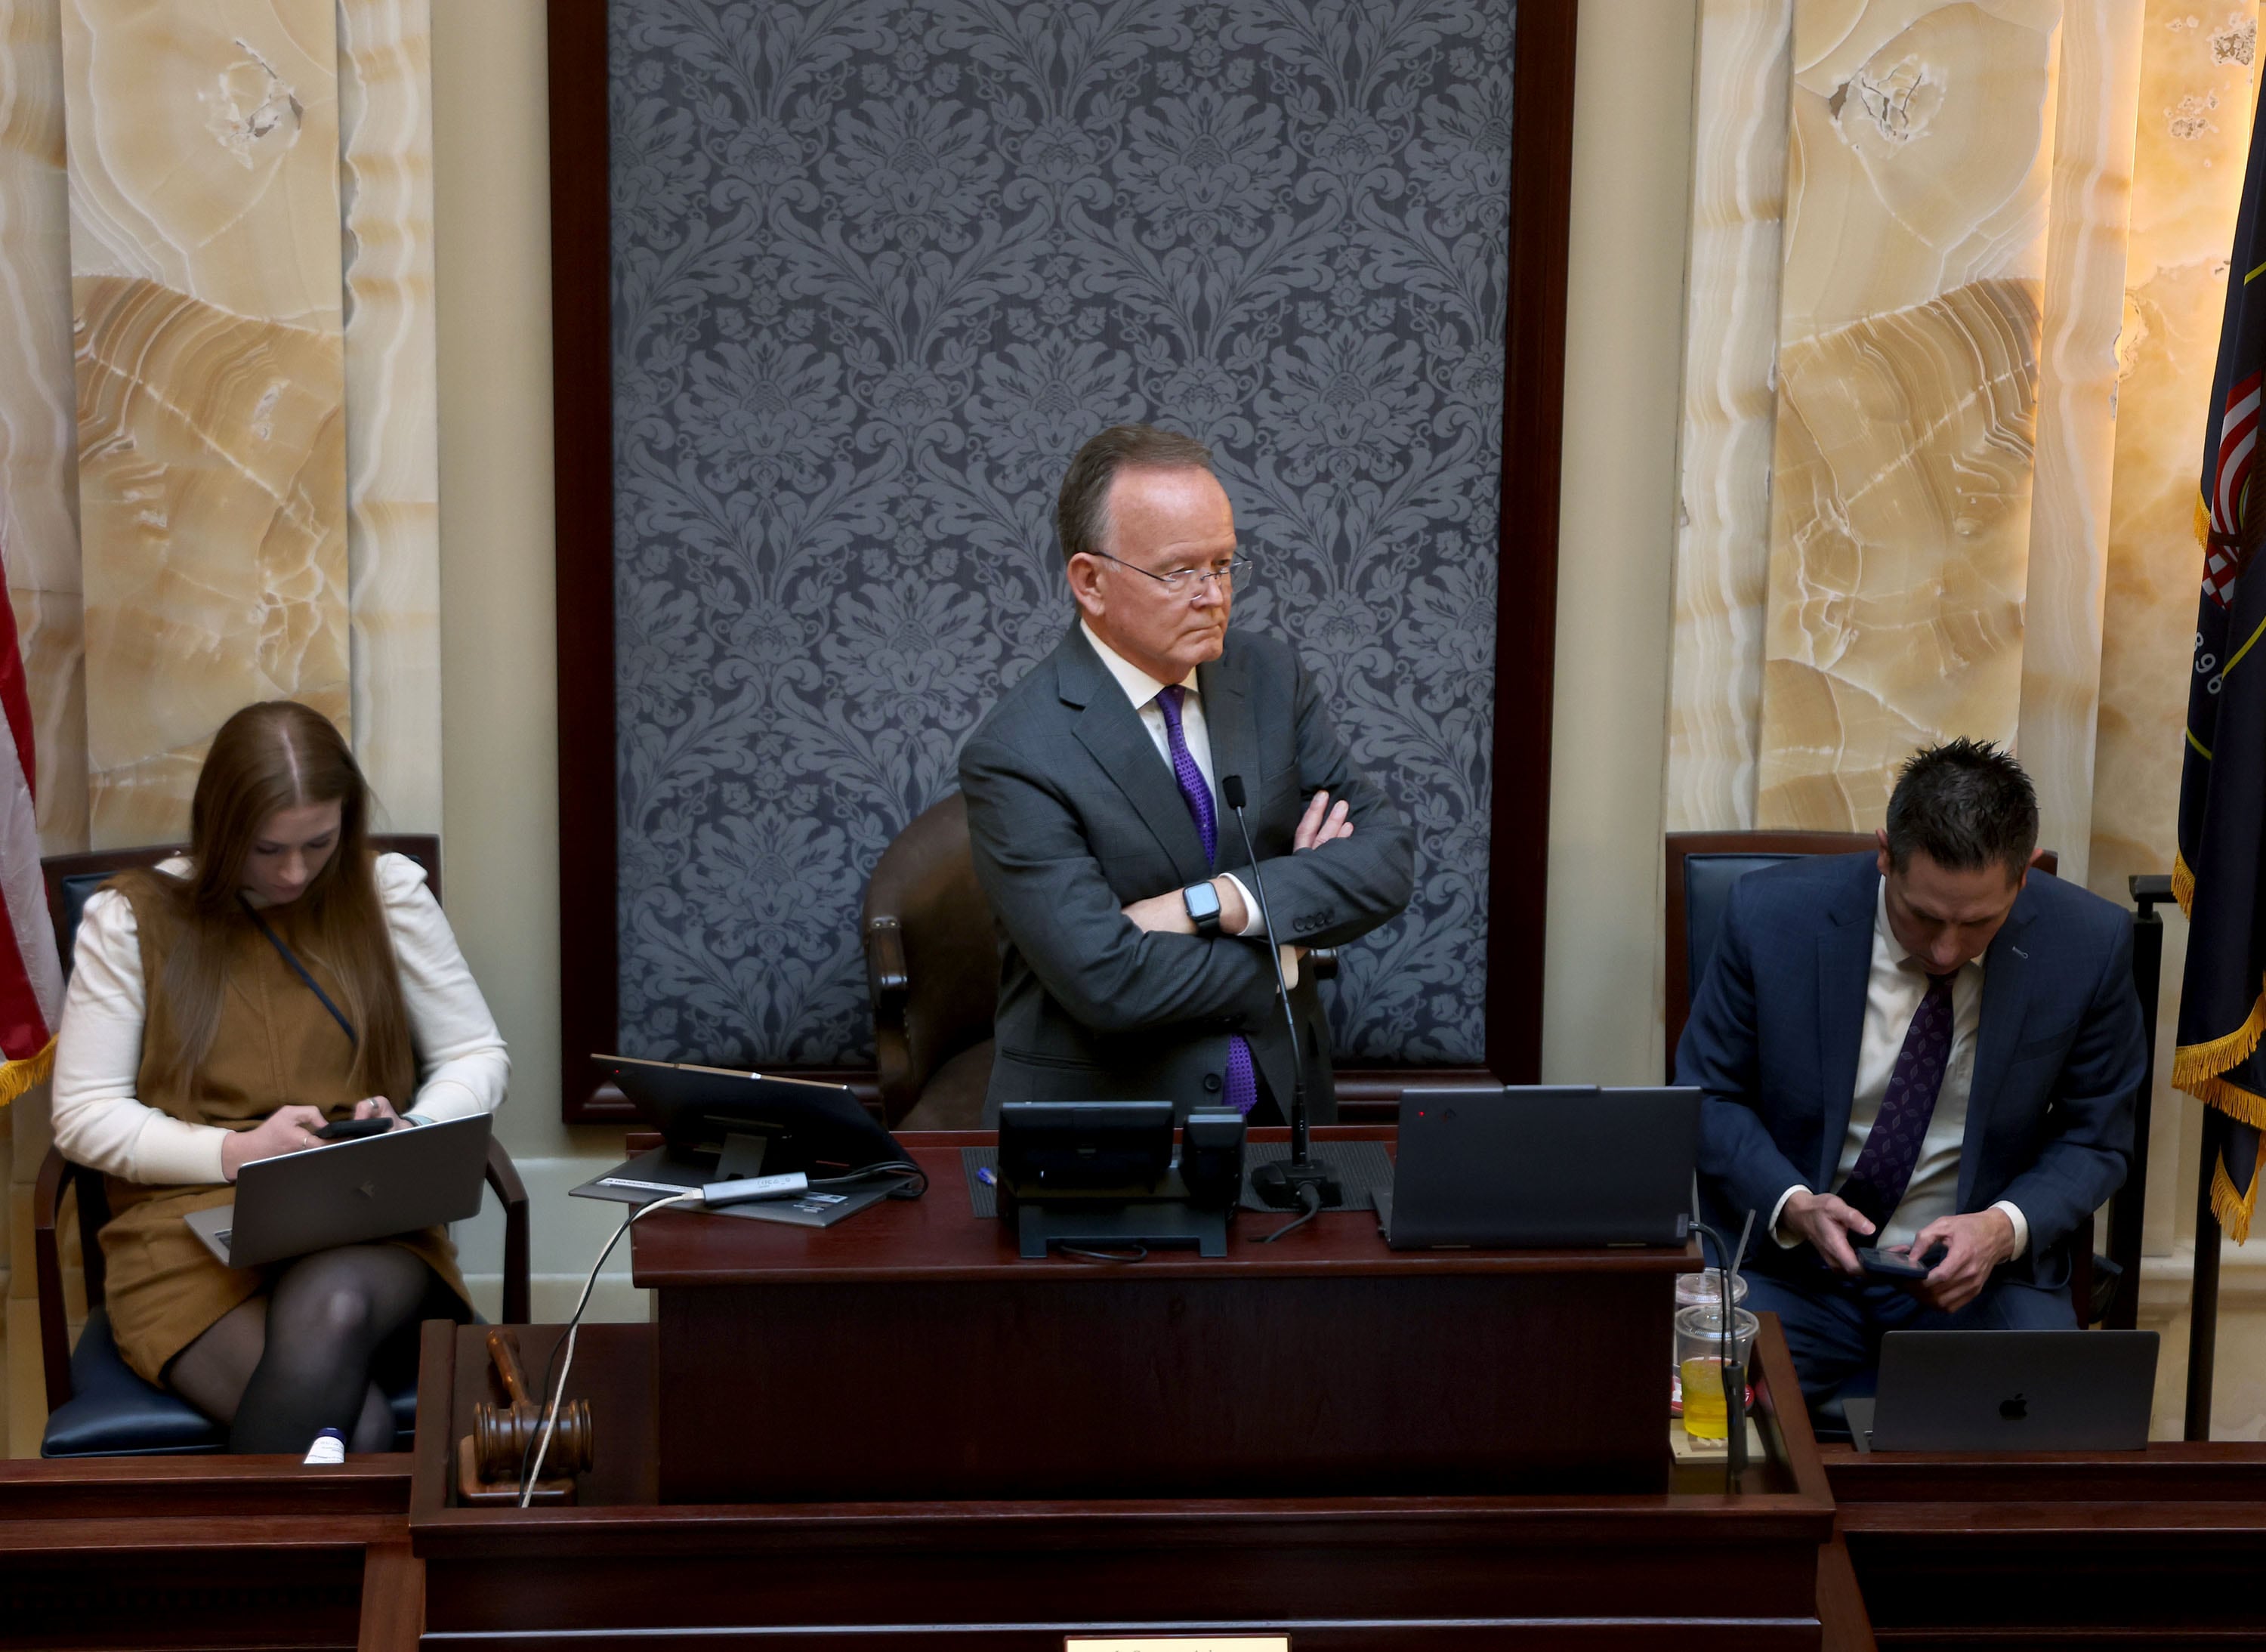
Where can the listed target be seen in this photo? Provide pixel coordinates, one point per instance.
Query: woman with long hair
(194, 1040)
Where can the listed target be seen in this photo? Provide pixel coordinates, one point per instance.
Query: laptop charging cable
(715, 1195)
(531, 1475)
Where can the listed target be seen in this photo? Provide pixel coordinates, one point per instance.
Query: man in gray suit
(1133, 964)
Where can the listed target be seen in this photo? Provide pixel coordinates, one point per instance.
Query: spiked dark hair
(1966, 805)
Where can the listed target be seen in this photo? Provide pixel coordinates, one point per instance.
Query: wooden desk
(809, 1365)
(898, 1432)
(2161, 1547)
(1686, 1568)
(239, 1551)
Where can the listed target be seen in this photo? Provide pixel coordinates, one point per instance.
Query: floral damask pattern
(878, 270)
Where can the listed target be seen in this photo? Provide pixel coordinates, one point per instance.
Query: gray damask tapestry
(879, 269)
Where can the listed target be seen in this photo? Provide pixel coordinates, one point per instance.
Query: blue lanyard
(300, 970)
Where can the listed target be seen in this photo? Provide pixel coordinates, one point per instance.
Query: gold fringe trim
(2239, 1104)
(2203, 521)
(2233, 1209)
(2196, 1067)
(2184, 884)
(15, 1076)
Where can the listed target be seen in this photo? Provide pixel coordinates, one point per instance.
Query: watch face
(1202, 901)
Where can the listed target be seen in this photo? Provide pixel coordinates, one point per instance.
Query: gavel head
(504, 1438)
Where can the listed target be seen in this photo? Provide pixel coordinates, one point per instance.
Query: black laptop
(1541, 1168)
(2009, 1390)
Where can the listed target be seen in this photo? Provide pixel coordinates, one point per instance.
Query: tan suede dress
(275, 1045)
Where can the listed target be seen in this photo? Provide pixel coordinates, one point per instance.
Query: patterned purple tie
(1884, 1166)
(1242, 1082)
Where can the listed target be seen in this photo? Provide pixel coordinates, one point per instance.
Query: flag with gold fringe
(2220, 875)
(31, 976)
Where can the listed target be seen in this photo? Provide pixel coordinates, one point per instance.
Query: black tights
(282, 1368)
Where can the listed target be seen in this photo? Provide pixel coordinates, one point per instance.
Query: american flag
(2238, 451)
(31, 976)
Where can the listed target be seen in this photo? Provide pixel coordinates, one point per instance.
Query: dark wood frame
(1541, 194)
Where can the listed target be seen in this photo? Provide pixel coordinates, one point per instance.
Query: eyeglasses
(1186, 581)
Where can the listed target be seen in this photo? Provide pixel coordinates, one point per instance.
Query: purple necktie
(1884, 1166)
(1242, 1083)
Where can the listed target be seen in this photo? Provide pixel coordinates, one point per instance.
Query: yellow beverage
(1704, 1415)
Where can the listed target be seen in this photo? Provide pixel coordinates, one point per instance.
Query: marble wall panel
(1730, 352)
(2197, 75)
(205, 284)
(392, 452)
(1918, 155)
(39, 503)
(2089, 200)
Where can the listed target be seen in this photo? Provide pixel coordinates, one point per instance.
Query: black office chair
(97, 1406)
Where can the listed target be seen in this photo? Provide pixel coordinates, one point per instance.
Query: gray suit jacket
(1074, 815)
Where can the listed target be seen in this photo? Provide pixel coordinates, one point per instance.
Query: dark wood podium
(894, 1431)
(911, 1352)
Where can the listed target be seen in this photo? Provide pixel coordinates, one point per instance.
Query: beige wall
(1617, 535)
(498, 695)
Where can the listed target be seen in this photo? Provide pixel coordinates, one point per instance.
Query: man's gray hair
(1082, 508)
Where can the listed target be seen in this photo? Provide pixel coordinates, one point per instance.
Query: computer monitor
(804, 1124)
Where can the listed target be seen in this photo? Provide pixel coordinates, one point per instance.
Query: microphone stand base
(1278, 1184)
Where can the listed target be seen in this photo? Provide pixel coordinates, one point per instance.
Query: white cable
(690, 1195)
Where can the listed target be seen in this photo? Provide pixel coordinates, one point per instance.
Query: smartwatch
(1203, 902)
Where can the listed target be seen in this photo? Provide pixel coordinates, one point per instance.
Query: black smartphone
(353, 1130)
(1884, 1266)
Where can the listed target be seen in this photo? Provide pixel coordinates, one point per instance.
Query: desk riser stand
(1150, 1226)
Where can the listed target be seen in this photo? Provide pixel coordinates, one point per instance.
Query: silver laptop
(2009, 1390)
(343, 1192)
(1539, 1167)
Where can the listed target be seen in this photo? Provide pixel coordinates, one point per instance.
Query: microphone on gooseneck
(1299, 1183)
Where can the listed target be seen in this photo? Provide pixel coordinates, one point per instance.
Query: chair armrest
(48, 1267)
(886, 976)
(503, 1176)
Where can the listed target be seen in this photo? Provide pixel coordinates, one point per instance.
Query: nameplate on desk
(1177, 1643)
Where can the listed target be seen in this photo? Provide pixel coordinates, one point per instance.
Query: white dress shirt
(1894, 987)
(1142, 689)
(462, 1065)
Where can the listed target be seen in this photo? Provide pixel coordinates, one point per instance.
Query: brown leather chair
(932, 965)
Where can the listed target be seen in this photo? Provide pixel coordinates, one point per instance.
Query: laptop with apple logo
(2009, 1390)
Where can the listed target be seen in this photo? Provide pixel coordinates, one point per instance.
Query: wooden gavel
(504, 1437)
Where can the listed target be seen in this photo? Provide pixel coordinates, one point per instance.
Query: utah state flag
(2222, 848)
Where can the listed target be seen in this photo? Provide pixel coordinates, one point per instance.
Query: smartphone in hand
(1886, 1265)
(353, 1130)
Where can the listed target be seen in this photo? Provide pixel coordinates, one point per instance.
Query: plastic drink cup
(1699, 1346)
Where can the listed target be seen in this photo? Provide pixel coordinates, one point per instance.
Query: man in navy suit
(1931, 1046)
